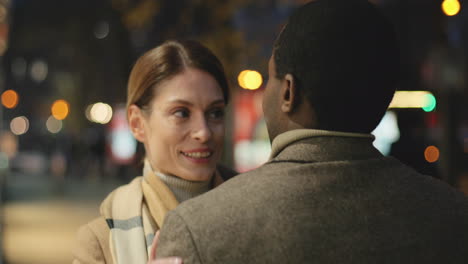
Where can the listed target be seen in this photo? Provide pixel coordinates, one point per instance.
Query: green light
(430, 103)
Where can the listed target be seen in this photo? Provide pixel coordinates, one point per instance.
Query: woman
(177, 94)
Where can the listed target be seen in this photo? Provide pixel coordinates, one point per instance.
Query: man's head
(334, 67)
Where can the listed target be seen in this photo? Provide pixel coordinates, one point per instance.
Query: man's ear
(136, 122)
(288, 94)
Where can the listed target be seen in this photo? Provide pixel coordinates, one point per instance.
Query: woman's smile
(198, 155)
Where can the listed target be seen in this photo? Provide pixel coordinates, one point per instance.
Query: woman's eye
(216, 114)
(182, 113)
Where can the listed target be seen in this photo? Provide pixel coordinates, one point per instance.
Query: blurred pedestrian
(177, 94)
(326, 195)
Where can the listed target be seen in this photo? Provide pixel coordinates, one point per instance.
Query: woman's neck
(182, 189)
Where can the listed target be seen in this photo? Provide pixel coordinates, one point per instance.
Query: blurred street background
(64, 64)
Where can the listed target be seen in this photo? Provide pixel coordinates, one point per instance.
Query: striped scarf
(134, 212)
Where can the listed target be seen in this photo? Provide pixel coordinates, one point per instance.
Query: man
(326, 195)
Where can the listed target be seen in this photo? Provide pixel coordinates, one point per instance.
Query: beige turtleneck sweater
(184, 189)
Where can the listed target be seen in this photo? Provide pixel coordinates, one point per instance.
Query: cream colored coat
(92, 243)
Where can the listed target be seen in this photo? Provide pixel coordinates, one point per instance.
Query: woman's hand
(153, 260)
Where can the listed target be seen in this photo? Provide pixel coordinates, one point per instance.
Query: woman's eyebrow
(180, 101)
(219, 101)
(188, 103)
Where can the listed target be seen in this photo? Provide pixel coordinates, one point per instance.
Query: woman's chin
(198, 175)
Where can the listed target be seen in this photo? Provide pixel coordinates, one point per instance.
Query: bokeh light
(240, 78)
(101, 30)
(414, 99)
(250, 80)
(430, 103)
(99, 113)
(39, 70)
(431, 154)
(122, 143)
(60, 109)
(88, 112)
(53, 125)
(451, 7)
(19, 125)
(10, 99)
(386, 133)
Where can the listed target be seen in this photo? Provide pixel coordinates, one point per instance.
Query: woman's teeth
(197, 155)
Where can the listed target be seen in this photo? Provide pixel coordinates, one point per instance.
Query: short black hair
(344, 58)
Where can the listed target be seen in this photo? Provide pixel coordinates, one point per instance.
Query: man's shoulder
(266, 183)
(234, 188)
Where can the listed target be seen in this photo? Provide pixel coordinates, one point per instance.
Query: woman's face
(184, 130)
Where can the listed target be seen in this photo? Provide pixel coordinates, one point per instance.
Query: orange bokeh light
(431, 154)
(250, 80)
(10, 99)
(60, 109)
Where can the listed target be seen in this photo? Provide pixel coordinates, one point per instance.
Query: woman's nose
(202, 131)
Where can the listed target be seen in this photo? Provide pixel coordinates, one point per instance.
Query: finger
(154, 246)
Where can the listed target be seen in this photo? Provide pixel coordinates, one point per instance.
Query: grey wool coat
(322, 199)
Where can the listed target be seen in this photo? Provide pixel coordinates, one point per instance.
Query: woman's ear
(136, 122)
(288, 94)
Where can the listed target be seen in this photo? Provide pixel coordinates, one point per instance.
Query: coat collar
(321, 145)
